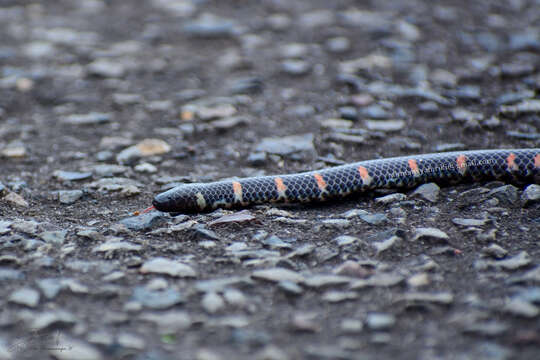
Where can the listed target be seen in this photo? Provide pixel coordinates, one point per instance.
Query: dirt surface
(85, 84)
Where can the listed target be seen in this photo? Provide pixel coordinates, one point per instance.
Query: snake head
(184, 199)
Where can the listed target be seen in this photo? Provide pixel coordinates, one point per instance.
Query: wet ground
(104, 104)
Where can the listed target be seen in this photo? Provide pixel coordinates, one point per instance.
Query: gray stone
(199, 232)
(50, 287)
(385, 125)
(470, 222)
(52, 318)
(374, 219)
(380, 321)
(257, 158)
(392, 198)
(235, 297)
(162, 265)
(123, 99)
(344, 240)
(338, 44)
(212, 302)
(246, 85)
(279, 22)
(354, 213)
(351, 326)
(276, 243)
(25, 296)
(486, 328)
(521, 308)
(429, 107)
(429, 192)
(466, 92)
(69, 197)
(316, 18)
(318, 281)
(106, 68)
(513, 97)
(531, 194)
(524, 135)
(93, 118)
(271, 352)
(290, 287)
(532, 275)
(15, 199)
(442, 298)
(492, 123)
(77, 350)
(146, 168)
(336, 223)
(375, 111)
(338, 296)
(126, 186)
(287, 145)
(229, 122)
(168, 322)
(507, 194)
(295, 67)
(301, 111)
(157, 299)
(144, 221)
(384, 245)
(430, 233)
(278, 274)
(108, 170)
(495, 251)
(522, 108)
(219, 285)
(293, 50)
(520, 260)
(115, 245)
(379, 280)
(348, 113)
(177, 8)
(29, 227)
(5, 226)
(71, 175)
(209, 26)
(463, 115)
(54, 237)
(525, 41)
(346, 138)
(530, 294)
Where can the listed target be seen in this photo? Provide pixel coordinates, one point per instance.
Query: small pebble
(25, 296)
(162, 265)
(380, 321)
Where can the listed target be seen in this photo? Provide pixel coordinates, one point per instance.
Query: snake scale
(516, 165)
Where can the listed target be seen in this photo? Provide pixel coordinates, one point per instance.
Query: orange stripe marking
(364, 174)
(537, 161)
(280, 185)
(320, 181)
(461, 162)
(413, 166)
(511, 162)
(237, 188)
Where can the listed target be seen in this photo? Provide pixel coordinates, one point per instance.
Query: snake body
(519, 165)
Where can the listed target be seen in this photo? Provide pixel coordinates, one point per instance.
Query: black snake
(519, 165)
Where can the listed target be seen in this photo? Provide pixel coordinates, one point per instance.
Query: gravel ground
(103, 104)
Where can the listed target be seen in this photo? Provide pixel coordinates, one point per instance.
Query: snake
(513, 165)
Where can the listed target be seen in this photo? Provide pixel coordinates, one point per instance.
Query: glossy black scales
(519, 165)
